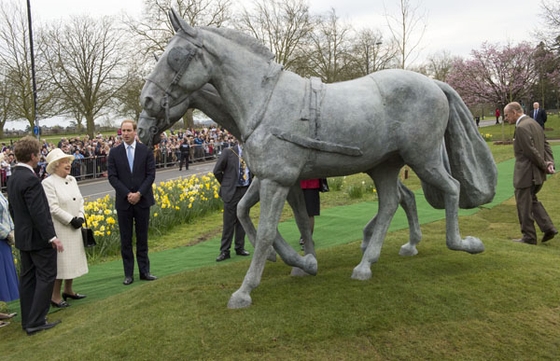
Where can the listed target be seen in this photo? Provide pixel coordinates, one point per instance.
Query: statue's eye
(176, 58)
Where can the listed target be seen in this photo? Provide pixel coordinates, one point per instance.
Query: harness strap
(312, 102)
(271, 76)
(315, 144)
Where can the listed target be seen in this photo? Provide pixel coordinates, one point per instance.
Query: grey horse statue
(375, 124)
(208, 101)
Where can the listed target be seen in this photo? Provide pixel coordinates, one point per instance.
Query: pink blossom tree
(495, 75)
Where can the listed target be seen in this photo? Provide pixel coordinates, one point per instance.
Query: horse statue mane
(242, 39)
(234, 35)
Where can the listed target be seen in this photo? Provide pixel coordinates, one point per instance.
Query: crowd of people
(91, 153)
(206, 143)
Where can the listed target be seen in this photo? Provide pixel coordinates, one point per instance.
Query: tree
(6, 102)
(371, 53)
(550, 13)
(407, 29)
(15, 62)
(88, 66)
(154, 30)
(546, 67)
(128, 98)
(283, 26)
(494, 75)
(439, 65)
(329, 56)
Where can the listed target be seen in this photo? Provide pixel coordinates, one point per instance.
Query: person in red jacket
(311, 188)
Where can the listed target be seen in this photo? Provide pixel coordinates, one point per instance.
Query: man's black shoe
(31, 330)
(148, 277)
(127, 281)
(242, 252)
(549, 235)
(222, 256)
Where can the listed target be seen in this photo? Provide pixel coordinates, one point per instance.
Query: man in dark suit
(234, 178)
(538, 114)
(131, 169)
(34, 237)
(533, 161)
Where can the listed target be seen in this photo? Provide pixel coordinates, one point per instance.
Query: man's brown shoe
(526, 241)
(548, 235)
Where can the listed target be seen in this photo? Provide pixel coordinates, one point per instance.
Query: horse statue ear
(180, 24)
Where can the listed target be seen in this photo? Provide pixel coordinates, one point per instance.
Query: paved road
(100, 187)
(488, 122)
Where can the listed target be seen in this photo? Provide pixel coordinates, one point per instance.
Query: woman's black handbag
(323, 185)
(87, 235)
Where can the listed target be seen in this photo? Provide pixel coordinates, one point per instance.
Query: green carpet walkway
(335, 226)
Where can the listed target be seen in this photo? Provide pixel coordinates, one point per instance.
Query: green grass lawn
(502, 304)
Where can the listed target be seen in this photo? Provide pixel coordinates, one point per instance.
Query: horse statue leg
(441, 180)
(273, 197)
(407, 201)
(251, 198)
(297, 202)
(307, 264)
(385, 177)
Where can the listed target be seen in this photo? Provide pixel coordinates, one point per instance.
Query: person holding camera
(67, 210)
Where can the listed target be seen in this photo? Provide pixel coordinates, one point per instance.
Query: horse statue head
(193, 58)
(205, 99)
(168, 85)
(150, 128)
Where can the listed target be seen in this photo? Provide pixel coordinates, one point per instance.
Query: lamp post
(36, 128)
(374, 56)
(377, 44)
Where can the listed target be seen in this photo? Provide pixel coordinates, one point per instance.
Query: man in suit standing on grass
(234, 178)
(131, 170)
(35, 237)
(533, 161)
(538, 114)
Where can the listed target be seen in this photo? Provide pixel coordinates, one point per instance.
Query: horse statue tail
(466, 156)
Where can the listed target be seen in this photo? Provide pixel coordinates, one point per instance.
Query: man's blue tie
(130, 157)
(535, 116)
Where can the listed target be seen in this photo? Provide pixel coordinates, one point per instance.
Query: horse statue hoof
(408, 250)
(310, 264)
(298, 272)
(239, 300)
(470, 244)
(361, 273)
(473, 245)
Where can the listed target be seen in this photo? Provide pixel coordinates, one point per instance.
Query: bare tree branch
(407, 29)
(88, 66)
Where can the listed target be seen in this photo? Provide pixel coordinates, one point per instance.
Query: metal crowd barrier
(89, 168)
(197, 153)
(96, 167)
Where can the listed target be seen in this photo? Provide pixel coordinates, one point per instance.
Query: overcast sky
(457, 27)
